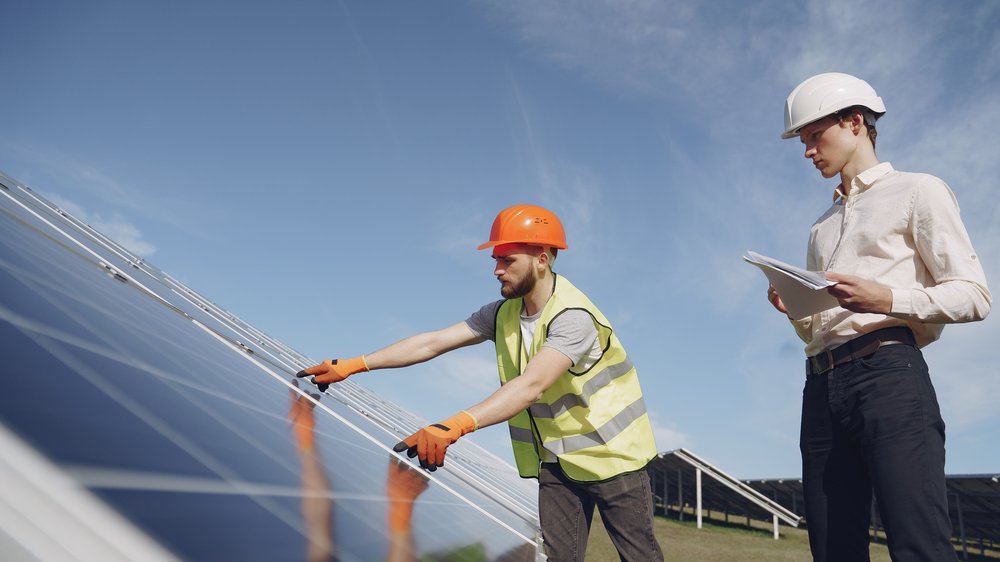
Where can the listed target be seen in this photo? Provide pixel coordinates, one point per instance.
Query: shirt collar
(864, 180)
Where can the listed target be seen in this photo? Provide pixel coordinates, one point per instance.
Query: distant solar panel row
(973, 505)
(677, 484)
(136, 414)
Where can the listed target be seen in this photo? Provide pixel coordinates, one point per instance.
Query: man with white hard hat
(904, 266)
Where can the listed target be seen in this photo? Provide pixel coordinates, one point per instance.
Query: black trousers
(873, 425)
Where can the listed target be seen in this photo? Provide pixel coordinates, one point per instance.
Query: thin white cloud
(577, 194)
(65, 169)
(115, 227)
(372, 82)
(80, 180)
(571, 190)
(951, 143)
(668, 436)
(524, 130)
(458, 226)
(466, 377)
(635, 47)
(850, 36)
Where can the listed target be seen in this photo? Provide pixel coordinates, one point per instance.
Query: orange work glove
(334, 370)
(431, 443)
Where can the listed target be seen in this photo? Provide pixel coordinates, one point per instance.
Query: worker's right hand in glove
(431, 443)
(334, 370)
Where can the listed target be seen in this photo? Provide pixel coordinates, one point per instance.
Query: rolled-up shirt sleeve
(955, 289)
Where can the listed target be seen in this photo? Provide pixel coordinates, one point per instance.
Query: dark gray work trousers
(566, 508)
(873, 425)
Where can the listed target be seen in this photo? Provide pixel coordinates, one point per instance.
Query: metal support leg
(961, 527)
(680, 495)
(697, 478)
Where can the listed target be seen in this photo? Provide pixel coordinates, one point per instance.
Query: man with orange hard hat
(569, 393)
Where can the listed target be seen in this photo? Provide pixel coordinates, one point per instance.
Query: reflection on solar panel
(140, 421)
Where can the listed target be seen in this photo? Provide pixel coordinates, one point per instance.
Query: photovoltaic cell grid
(190, 424)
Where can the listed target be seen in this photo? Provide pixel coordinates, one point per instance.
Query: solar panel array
(141, 419)
(674, 476)
(973, 506)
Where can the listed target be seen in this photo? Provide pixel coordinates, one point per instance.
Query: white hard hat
(826, 94)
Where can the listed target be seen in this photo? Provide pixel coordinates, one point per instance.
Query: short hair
(551, 251)
(867, 115)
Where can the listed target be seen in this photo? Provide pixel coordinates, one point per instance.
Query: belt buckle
(818, 366)
(829, 361)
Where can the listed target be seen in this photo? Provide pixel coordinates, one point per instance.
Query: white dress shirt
(904, 231)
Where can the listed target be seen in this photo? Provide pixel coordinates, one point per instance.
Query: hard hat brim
(541, 243)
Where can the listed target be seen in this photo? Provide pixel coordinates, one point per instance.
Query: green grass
(718, 542)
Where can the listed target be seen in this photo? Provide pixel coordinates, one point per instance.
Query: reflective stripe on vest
(521, 434)
(567, 401)
(594, 422)
(601, 435)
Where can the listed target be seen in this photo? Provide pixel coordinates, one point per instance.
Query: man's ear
(857, 122)
(544, 259)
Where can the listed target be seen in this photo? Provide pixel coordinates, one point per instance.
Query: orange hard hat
(526, 224)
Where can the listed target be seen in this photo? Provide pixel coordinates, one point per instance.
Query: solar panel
(677, 483)
(973, 506)
(168, 428)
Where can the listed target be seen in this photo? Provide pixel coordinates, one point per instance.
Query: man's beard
(520, 288)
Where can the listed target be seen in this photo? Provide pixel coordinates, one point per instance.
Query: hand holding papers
(803, 292)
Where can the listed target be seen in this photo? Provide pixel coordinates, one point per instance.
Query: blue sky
(325, 169)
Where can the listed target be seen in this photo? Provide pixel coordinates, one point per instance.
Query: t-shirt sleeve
(572, 333)
(484, 321)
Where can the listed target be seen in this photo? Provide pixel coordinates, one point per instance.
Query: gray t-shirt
(572, 333)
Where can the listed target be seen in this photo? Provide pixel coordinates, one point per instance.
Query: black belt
(861, 346)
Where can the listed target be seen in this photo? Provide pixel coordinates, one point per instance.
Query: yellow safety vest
(595, 422)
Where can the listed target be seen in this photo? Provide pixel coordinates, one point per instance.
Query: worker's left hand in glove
(431, 443)
(334, 370)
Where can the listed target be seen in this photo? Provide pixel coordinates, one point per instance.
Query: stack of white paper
(803, 292)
